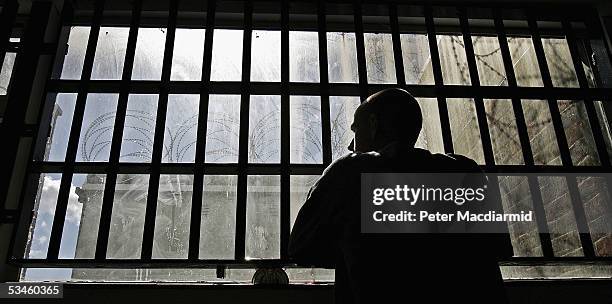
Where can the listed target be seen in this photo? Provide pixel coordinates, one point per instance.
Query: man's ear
(373, 124)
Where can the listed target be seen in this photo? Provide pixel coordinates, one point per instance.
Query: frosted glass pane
(417, 59)
(541, 132)
(453, 60)
(227, 55)
(97, 128)
(578, 134)
(503, 131)
(560, 216)
(560, 64)
(223, 129)
(263, 217)
(217, 234)
(516, 196)
(173, 216)
(181, 128)
(379, 58)
(489, 61)
(188, 54)
(42, 220)
(110, 53)
(266, 56)
(77, 45)
(82, 217)
(305, 124)
(464, 128)
(342, 109)
(299, 186)
(525, 62)
(6, 72)
(149, 56)
(139, 128)
(128, 215)
(430, 137)
(61, 121)
(342, 57)
(264, 129)
(304, 56)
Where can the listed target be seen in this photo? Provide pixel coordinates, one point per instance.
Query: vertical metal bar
(111, 177)
(285, 203)
(588, 102)
(447, 137)
(397, 45)
(566, 159)
(481, 114)
(198, 180)
(158, 143)
(324, 82)
(73, 140)
(361, 57)
(243, 149)
(521, 125)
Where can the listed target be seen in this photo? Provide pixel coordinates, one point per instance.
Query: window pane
(97, 128)
(6, 72)
(227, 55)
(578, 133)
(595, 196)
(430, 137)
(541, 132)
(379, 58)
(417, 59)
(342, 57)
(61, 121)
(341, 110)
(82, 217)
(77, 45)
(305, 124)
(266, 56)
(560, 63)
(304, 56)
(516, 197)
(188, 54)
(173, 216)
(149, 56)
(525, 62)
(223, 129)
(263, 217)
(560, 216)
(503, 131)
(128, 215)
(110, 53)
(264, 129)
(139, 128)
(299, 187)
(453, 60)
(181, 128)
(42, 219)
(489, 62)
(217, 234)
(464, 128)
(604, 125)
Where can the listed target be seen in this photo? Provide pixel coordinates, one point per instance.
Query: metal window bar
(566, 160)
(198, 181)
(517, 108)
(324, 84)
(285, 203)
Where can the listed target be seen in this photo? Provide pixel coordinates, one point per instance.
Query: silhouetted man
(407, 268)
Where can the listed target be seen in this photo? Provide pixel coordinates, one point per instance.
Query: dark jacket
(385, 267)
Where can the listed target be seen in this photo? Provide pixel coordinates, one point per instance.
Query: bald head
(386, 116)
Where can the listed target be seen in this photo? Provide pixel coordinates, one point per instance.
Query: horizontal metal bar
(335, 89)
(185, 263)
